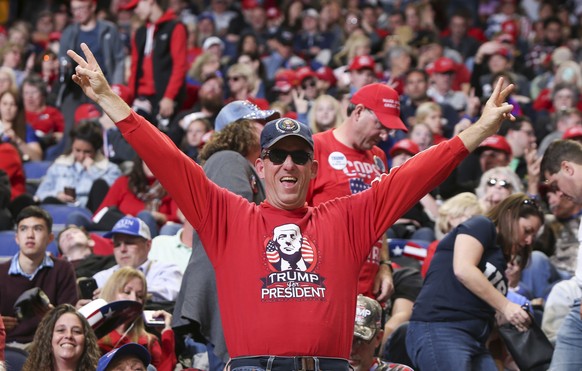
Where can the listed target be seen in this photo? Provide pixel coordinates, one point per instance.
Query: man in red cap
(361, 72)
(443, 75)
(348, 163)
(99, 35)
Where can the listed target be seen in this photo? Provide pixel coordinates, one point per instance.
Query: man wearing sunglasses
(286, 319)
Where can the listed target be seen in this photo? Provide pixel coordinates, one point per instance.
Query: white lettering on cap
(337, 160)
(391, 103)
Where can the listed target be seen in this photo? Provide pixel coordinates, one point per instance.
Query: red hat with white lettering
(384, 102)
(362, 62)
(496, 142)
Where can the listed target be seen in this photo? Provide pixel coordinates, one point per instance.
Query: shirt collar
(16, 269)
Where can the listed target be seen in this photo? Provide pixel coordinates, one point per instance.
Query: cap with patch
(444, 65)
(242, 109)
(368, 317)
(130, 226)
(362, 62)
(281, 128)
(574, 132)
(404, 145)
(497, 142)
(130, 349)
(285, 37)
(383, 101)
(86, 111)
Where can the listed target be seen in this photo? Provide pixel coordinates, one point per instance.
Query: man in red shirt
(348, 163)
(290, 319)
(158, 59)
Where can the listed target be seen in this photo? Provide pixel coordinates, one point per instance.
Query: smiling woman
(63, 340)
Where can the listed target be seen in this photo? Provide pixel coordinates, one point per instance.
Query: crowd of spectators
(179, 62)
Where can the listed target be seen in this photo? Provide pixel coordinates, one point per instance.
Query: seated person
(131, 245)
(139, 193)
(77, 247)
(31, 267)
(130, 284)
(367, 338)
(60, 327)
(82, 176)
(175, 249)
(130, 356)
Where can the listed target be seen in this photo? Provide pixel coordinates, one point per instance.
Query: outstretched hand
(496, 110)
(88, 74)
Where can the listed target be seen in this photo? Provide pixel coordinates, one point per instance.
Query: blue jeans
(540, 275)
(568, 351)
(449, 345)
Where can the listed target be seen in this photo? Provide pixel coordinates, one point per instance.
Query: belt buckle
(306, 364)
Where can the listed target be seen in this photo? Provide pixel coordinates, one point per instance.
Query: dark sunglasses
(531, 202)
(234, 78)
(502, 183)
(278, 156)
(309, 84)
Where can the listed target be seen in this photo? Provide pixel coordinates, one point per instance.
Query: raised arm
(90, 78)
(494, 112)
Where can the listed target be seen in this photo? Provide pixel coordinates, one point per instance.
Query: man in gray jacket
(102, 36)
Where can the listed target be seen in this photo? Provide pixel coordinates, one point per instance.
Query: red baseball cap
(444, 65)
(497, 142)
(404, 145)
(273, 12)
(129, 5)
(250, 4)
(384, 102)
(304, 72)
(504, 52)
(123, 92)
(326, 73)
(361, 62)
(86, 111)
(510, 27)
(573, 132)
(285, 80)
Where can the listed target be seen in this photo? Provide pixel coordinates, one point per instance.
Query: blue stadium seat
(8, 246)
(36, 169)
(15, 358)
(61, 212)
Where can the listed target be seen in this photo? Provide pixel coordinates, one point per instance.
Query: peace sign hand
(88, 74)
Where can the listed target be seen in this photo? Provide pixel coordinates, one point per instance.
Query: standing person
(348, 163)
(466, 284)
(240, 237)
(158, 59)
(63, 341)
(31, 267)
(562, 170)
(101, 36)
(227, 160)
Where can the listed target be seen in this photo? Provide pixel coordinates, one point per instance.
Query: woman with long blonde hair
(128, 283)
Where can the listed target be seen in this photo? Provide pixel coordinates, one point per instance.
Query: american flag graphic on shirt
(273, 251)
(357, 185)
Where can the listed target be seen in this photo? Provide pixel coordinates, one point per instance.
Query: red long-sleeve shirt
(267, 310)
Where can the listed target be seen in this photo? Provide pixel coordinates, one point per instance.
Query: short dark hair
(559, 151)
(35, 212)
(514, 125)
(416, 70)
(90, 132)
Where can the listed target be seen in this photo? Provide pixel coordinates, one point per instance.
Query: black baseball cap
(284, 127)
